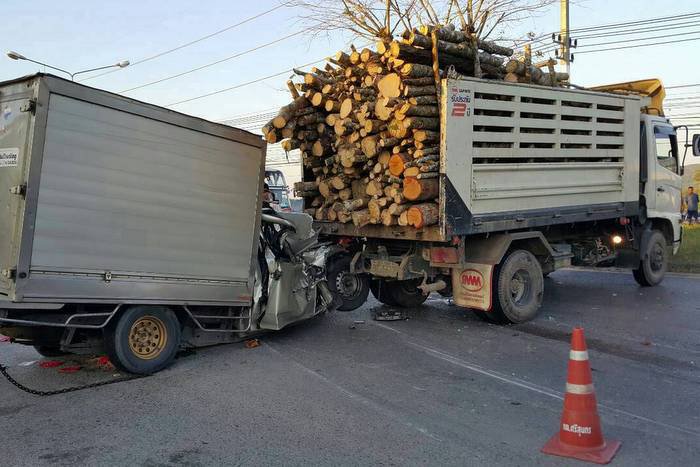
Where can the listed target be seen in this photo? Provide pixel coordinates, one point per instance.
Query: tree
(374, 19)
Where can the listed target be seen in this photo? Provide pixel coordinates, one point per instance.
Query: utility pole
(564, 40)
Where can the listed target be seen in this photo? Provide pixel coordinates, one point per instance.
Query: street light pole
(18, 56)
(122, 64)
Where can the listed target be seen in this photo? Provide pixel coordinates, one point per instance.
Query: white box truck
(135, 230)
(532, 178)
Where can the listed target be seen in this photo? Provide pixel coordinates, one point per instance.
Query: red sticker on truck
(460, 101)
(459, 109)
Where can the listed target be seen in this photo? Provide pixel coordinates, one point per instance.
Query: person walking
(691, 201)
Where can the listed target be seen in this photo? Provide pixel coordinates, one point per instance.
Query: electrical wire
(627, 32)
(638, 45)
(248, 114)
(625, 41)
(247, 83)
(683, 86)
(623, 25)
(231, 57)
(660, 19)
(195, 41)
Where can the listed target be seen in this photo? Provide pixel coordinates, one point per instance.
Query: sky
(84, 34)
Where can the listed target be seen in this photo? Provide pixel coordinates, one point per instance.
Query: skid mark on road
(521, 383)
(611, 348)
(353, 395)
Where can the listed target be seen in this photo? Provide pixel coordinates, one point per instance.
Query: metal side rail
(69, 322)
(196, 320)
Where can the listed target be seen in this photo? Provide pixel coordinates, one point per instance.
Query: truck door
(667, 181)
(15, 120)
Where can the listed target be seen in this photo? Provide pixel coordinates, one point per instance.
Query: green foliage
(688, 257)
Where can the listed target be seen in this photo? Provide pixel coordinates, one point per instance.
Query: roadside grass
(688, 257)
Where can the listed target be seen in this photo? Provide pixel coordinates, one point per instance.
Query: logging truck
(528, 179)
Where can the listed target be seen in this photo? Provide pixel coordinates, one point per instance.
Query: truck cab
(660, 175)
(277, 184)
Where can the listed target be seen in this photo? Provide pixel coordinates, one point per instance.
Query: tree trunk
(361, 218)
(423, 215)
(390, 85)
(397, 163)
(421, 190)
(421, 123)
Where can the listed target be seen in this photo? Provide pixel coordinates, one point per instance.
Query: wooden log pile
(368, 124)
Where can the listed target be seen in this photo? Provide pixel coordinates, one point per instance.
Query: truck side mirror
(696, 145)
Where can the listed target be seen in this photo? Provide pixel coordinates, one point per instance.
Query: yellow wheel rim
(147, 337)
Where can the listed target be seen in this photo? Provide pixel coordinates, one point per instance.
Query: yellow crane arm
(652, 88)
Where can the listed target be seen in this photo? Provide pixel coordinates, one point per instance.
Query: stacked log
(368, 124)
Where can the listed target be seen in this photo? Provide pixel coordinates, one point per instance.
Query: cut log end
(423, 215)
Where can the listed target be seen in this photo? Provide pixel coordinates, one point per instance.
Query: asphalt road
(440, 388)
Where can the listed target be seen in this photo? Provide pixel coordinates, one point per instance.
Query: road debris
(252, 343)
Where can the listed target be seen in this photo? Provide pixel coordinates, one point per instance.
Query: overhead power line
(247, 83)
(248, 114)
(661, 19)
(683, 86)
(596, 30)
(195, 41)
(638, 45)
(629, 32)
(625, 41)
(202, 67)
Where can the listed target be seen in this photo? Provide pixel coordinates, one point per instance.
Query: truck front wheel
(653, 261)
(144, 340)
(518, 289)
(352, 289)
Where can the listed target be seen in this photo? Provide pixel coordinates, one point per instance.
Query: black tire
(352, 289)
(654, 261)
(378, 288)
(144, 340)
(406, 294)
(518, 288)
(49, 351)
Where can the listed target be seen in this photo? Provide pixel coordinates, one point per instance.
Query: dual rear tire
(404, 294)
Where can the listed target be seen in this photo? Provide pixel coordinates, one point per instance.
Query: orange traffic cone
(580, 435)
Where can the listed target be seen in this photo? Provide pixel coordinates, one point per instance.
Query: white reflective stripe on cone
(579, 388)
(578, 355)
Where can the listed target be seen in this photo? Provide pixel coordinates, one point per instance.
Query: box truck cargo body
(112, 200)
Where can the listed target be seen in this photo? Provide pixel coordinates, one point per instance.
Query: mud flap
(472, 286)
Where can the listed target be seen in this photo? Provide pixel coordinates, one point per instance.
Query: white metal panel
(16, 126)
(533, 147)
(120, 192)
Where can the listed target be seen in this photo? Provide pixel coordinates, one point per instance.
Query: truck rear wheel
(406, 294)
(654, 261)
(518, 289)
(352, 289)
(144, 340)
(379, 291)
